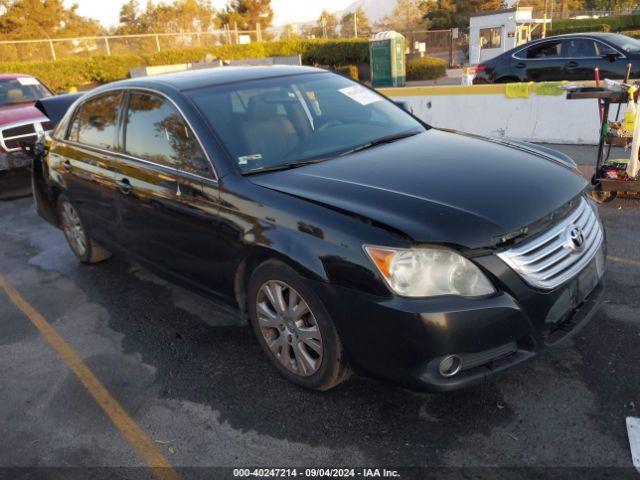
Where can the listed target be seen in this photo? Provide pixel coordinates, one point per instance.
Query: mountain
(373, 9)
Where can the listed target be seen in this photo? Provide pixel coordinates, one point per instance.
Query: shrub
(611, 24)
(426, 68)
(76, 71)
(349, 71)
(599, 27)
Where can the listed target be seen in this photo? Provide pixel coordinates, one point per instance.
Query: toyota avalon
(352, 236)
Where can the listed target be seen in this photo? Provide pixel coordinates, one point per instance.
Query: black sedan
(564, 57)
(352, 236)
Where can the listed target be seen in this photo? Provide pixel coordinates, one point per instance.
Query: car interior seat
(266, 132)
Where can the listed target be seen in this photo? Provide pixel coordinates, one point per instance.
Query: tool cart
(610, 178)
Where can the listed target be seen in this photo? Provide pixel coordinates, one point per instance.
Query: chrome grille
(554, 257)
(25, 131)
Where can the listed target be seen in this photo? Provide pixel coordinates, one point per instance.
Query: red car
(20, 121)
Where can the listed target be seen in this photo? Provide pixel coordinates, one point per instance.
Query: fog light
(450, 365)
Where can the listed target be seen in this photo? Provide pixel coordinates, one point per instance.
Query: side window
(156, 131)
(95, 123)
(491, 37)
(579, 48)
(544, 50)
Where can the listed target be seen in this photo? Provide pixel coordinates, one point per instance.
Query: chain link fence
(52, 49)
(449, 45)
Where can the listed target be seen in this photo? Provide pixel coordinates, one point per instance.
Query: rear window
(22, 90)
(95, 122)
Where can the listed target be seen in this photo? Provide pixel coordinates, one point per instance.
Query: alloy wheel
(73, 229)
(289, 328)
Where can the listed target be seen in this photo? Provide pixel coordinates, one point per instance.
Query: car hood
(440, 186)
(18, 113)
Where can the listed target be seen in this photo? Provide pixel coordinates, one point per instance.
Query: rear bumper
(404, 340)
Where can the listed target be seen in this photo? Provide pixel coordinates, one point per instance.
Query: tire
(603, 197)
(80, 243)
(305, 349)
(508, 80)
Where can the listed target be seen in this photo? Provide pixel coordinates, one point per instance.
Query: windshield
(21, 90)
(287, 121)
(627, 44)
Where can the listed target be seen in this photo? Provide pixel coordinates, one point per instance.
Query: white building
(492, 33)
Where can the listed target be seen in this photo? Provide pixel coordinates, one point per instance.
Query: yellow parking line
(626, 261)
(130, 430)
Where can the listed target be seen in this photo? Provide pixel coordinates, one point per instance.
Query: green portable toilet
(386, 55)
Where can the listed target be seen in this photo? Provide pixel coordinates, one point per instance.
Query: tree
(326, 25)
(247, 14)
(558, 6)
(406, 16)
(178, 16)
(350, 20)
(27, 19)
(444, 14)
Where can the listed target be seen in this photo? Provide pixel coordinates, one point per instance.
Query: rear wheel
(81, 244)
(294, 329)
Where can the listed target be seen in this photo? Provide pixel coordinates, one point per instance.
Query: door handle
(521, 65)
(572, 65)
(124, 186)
(67, 165)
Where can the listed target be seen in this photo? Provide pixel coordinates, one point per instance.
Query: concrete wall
(552, 119)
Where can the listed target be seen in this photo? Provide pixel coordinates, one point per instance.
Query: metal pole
(451, 48)
(544, 20)
(157, 42)
(355, 24)
(53, 50)
(258, 32)
(106, 44)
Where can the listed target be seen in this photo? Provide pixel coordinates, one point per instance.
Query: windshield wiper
(286, 166)
(381, 141)
(374, 143)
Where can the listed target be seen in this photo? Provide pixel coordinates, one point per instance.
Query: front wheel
(81, 244)
(294, 329)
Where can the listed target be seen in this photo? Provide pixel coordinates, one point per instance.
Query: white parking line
(633, 429)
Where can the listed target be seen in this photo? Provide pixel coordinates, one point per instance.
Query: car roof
(603, 35)
(206, 77)
(13, 76)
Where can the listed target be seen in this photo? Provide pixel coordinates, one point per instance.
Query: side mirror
(404, 105)
(610, 55)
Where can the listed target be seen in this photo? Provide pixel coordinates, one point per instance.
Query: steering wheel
(329, 124)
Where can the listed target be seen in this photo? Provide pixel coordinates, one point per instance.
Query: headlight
(428, 272)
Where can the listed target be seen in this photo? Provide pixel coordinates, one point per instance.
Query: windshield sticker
(360, 94)
(249, 158)
(27, 81)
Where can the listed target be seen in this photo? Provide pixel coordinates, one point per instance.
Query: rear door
(165, 213)
(84, 159)
(541, 61)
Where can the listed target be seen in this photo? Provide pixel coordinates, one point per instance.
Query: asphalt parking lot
(136, 372)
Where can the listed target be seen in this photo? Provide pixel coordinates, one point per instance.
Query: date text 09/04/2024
(316, 472)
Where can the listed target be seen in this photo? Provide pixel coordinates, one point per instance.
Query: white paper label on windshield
(249, 158)
(360, 94)
(25, 81)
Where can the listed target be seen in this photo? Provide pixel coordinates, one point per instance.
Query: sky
(286, 11)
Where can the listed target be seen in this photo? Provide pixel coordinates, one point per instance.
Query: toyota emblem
(575, 238)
